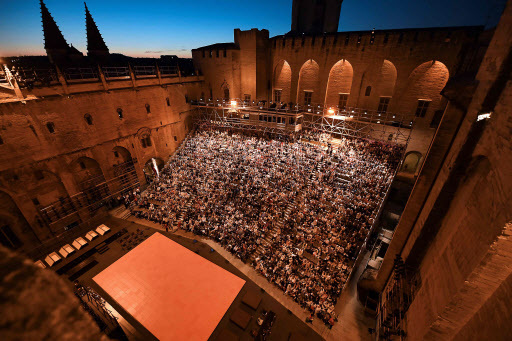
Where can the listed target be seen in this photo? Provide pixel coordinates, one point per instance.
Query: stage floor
(173, 292)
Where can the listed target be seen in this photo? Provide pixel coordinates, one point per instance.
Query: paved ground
(353, 323)
(286, 322)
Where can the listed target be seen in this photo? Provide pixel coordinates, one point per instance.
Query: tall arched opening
(124, 168)
(14, 228)
(422, 95)
(386, 85)
(411, 162)
(339, 84)
(153, 167)
(51, 197)
(387, 79)
(90, 179)
(308, 88)
(282, 82)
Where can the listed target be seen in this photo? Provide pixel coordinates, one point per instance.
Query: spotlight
(331, 111)
(233, 103)
(484, 116)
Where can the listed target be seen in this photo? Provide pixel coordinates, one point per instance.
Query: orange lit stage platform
(173, 292)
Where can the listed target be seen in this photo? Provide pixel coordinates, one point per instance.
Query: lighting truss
(233, 119)
(360, 123)
(348, 122)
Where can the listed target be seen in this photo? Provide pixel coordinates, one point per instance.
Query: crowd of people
(234, 188)
(311, 257)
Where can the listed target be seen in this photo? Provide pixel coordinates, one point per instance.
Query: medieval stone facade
(398, 71)
(454, 234)
(68, 144)
(64, 147)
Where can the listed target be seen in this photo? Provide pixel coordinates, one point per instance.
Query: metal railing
(81, 73)
(348, 122)
(116, 71)
(144, 70)
(94, 193)
(167, 70)
(65, 237)
(27, 77)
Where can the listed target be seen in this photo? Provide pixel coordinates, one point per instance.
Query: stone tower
(55, 45)
(57, 49)
(96, 47)
(315, 16)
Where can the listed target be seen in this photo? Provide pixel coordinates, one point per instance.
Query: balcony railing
(28, 77)
(81, 73)
(144, 71)
(116, 71)
(167, 70)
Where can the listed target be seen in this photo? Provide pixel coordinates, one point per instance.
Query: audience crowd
(235, 189)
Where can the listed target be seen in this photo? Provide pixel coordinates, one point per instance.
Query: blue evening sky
(155, 27)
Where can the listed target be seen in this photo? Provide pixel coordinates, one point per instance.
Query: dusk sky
(151, 28)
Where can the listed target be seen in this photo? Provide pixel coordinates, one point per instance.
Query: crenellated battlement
(430, 35)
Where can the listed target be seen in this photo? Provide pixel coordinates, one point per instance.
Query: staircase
(120, 212)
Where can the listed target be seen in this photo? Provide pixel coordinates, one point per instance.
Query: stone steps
(126, 214)
(121, 212)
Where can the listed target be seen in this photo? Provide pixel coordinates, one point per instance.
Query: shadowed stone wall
(455, 231)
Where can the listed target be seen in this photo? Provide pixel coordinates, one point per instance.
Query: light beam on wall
(156, 167)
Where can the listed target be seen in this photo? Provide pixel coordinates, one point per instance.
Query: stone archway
(152, 167)
(14, 228)
(411, 162)
(122, 155)
(282, 82)
(225, 91)
(90, 178)
(339, 84)
(51, 197)
(424, 84)
(124, 168)
(387, 79)
(308, 83)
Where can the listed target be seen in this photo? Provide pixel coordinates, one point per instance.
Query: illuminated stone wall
(405, 65)
(54, 144)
